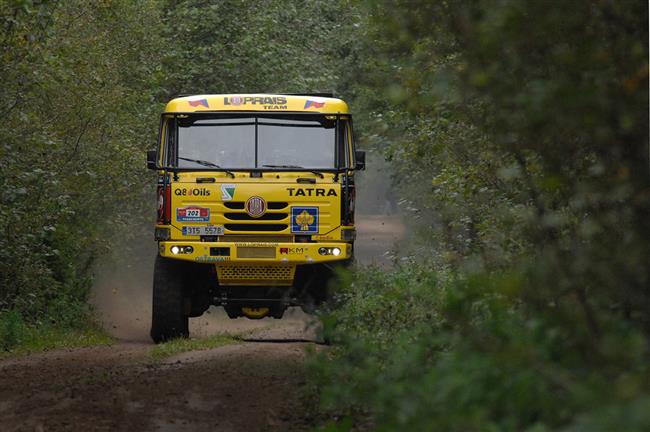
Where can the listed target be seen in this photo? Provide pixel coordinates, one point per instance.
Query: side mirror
(360, 157)
(152, 159)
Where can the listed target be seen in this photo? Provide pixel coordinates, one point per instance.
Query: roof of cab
(256, 102)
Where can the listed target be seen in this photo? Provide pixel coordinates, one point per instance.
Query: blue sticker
(304, 220)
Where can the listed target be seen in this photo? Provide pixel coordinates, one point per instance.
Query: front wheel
(168, 317)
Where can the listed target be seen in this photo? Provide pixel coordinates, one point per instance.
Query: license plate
(210, 230)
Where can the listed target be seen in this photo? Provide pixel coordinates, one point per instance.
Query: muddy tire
(168, 316)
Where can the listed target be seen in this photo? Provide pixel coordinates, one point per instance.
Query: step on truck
(255, 205)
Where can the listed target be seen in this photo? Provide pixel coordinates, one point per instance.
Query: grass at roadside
(177, 346)
(45, 338)
(66, 328)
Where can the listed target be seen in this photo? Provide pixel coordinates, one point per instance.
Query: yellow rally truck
(255, 205)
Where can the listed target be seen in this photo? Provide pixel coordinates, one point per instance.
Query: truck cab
(256, 200)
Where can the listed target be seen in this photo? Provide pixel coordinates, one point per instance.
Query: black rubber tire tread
(197, 284)
(168, 318)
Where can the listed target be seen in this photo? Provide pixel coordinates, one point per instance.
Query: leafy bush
(11, 329)
(83, 85)
(518, 136)
(418, 352)
(77, 116)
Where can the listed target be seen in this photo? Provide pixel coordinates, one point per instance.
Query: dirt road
(250, 386)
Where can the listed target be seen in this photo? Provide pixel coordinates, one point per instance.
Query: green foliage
(519, 142)
(77, 114)
(239, 46)
(11, 326)
(518, 136)
(418, 352)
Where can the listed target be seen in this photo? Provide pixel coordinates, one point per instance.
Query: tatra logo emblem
(304, 219)
(255, 206)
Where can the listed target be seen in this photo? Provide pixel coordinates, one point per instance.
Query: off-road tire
(169, 319)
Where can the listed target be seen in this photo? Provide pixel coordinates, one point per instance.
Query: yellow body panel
(256, 102)
(270, 248)
(275, 188)
(302, 211)
(279, 190)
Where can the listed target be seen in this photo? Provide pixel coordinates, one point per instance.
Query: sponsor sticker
(292, 250)
(161, 200)
(227, 192)
(304, 220)
(206, 258)
(313, 104)
(193, 214)
(192, 192)
(266, 102)
(199, 102)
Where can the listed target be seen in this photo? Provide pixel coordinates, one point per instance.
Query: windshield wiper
(208, 164)
(320, 174)
(283, 166)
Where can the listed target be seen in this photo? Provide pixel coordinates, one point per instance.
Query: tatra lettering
(319, 192)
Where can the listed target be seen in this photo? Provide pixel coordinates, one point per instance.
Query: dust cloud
(378, 219)
(121, 295)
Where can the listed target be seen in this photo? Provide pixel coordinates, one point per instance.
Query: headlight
(181, 250)
(329, 251)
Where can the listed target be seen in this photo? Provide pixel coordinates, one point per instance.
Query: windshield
(244, 142)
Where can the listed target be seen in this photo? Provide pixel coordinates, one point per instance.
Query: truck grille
(239, 205)
(247, 217)
(255, 275)
(244, 238)
(256, 224)
(256, 227)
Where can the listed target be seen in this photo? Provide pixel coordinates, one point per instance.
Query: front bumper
(254, 252)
